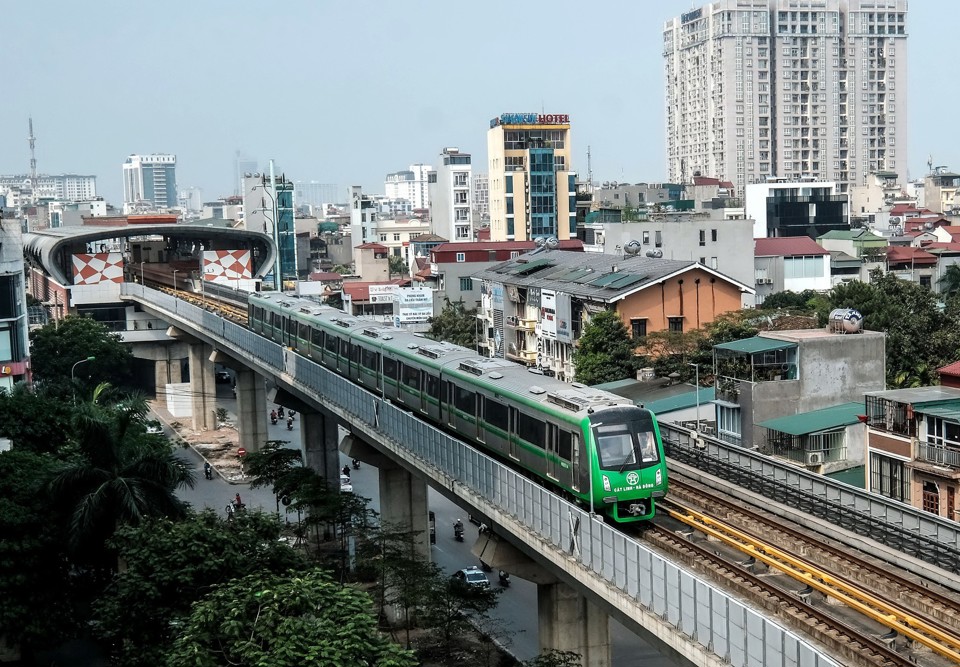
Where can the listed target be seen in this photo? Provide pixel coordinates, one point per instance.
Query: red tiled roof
(901, 209)
(787, 246)
(950, 369)
(938, 245)
(705, 180)
(360, 291)
(570, 244)
(372, 246)
(904, 254)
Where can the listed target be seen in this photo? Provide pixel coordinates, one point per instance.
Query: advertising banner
(101, 267)
(548, 313)
(564, 315)
(226, 266)
(414, 305)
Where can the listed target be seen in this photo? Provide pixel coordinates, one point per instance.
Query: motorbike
(273, 420)
(289, 423)
(356, 464)
(208, 471)
(458, 532)
(504, 578)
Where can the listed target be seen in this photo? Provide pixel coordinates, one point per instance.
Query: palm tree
(118, 476)
(950, 281)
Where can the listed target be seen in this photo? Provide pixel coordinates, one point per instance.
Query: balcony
(937, 455)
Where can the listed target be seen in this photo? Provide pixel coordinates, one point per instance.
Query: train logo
(633, 478)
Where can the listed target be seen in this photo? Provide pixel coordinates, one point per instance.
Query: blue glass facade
(286, 231)
(543, 193)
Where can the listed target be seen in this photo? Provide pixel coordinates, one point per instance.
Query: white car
(346, 484)
(154, 428)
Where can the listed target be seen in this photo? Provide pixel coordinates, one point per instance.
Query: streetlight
(141, 272)
(175, 290)
(73, 377)
(696, 381)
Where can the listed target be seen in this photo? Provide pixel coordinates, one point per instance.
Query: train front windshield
(624, 444)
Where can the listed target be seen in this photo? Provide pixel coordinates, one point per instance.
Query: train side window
(411, 377)
(370, 359)
(495, 414)
(304, 332)
(465, 400)
(564, 442)
(273, 319)
(531, 429)
(390, 368)
(332, 344)
(317, 337)
(432, 386)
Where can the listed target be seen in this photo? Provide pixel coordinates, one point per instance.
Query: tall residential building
(532, 190)
(791, 89)
(410, 185)
(149, 182)
(61, 187)
(268, 207)
(481, 198)
(451, 185)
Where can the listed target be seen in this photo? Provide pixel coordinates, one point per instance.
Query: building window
(713, 235)
(646, 238)
(461, 256)
(658, 239)
(638, 327)
(887, 477)
(703, 237)
(466, 284)
(514, 254)
(396, 237)
(713, 262)
(675, 324)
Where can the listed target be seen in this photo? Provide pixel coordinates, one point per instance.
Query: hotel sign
(531, 119)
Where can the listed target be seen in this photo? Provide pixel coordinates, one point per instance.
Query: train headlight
(606, 483)
(659, 476)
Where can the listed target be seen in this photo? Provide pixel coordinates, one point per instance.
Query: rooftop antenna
(929, 164)
(33, 155)
(589, 170)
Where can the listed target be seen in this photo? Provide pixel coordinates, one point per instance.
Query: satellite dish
(633, 247)
(553, 243)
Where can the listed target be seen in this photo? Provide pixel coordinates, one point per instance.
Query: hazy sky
(346, 91)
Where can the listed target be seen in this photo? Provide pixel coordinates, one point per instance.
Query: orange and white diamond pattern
(224, 266)
(102, 267)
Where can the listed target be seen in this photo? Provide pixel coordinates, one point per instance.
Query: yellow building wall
(698, 304)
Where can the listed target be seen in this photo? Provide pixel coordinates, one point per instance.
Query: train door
(550, 449)
(289, 324)
(577, 464)
(481, 413)
(514, 449)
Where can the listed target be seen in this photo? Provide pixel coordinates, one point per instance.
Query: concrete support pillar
(166, 371)
(202, 387)
(403, 504)
(570, 622)
(251, 410)
(319, 437)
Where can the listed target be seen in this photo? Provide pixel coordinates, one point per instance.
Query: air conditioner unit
(814, 458)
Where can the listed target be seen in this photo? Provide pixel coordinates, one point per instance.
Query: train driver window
(648, 447)
(615, 446)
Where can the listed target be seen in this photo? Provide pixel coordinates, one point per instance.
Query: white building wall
(451, 197)
(412, 186)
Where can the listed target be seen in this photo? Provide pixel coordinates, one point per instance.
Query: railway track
(210, 303)
(875, 609)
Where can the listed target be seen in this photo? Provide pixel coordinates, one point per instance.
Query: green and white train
(577, 440)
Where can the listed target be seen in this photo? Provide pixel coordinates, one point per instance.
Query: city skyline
(351, 115)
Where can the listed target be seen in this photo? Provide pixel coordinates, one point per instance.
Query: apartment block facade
(787, 88)
(451, 200)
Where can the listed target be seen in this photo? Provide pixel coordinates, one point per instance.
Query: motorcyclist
(356, 464)
(208, 470)
(346, 470)
(458, 529)
(289, 423)
(273, 416)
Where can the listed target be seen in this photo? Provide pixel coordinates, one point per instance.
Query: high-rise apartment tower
(149, 182)
(787, 89)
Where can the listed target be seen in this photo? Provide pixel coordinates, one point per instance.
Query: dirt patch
(219, 447)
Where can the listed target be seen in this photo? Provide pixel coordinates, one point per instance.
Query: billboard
(548, 313)
(383, 293)
(414, 305)
(226, 266)
(564, 315)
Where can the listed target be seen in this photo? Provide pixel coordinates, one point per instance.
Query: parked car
(154, 427)
(346, 484)
(223, 377)
(472, 576)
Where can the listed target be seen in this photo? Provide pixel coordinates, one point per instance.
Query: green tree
(455, 324)
(555, 658)
(449, 604)
(56, 347)
(169, 565)
(272, 466)
(396, 266)
(116, 476)
(285, 621)
(35, 582)
(911, 318)
(34, 420)
(788, 300)
(605, 351)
